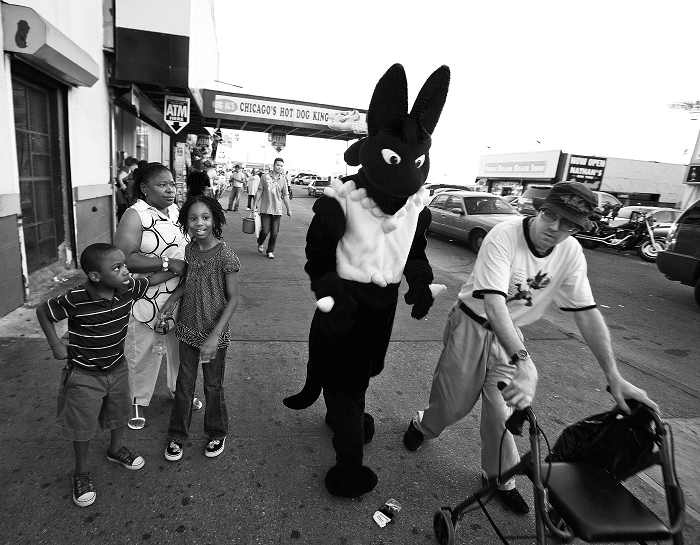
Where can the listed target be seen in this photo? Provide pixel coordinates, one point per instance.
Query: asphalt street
(267, 487)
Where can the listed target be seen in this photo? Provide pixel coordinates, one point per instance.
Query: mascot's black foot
(350, 483)
(368, 427)
(304, 399)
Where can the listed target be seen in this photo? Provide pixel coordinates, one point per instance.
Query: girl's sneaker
(215, 447)
(126, 458)
(83, 492)
(173, 452)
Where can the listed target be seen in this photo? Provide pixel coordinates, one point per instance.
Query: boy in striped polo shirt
(94, 388)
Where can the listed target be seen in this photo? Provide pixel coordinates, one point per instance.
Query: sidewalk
(267, 487)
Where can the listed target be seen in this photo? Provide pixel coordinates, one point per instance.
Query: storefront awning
(32, 38)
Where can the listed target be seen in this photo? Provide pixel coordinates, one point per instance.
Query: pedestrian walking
(523, 265)
(94, 388)
(252, 183)
(237, 187)
(209, 296)
(269, 198)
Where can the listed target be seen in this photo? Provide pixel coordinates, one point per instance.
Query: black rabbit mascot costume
(368, 230)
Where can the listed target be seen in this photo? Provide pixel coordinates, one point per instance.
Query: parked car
(468, 215)
(532, 198)
(681, 259)
(316, 187)
(439, 187)
(511, 199)
(305, 179)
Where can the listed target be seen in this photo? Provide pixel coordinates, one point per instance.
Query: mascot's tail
(309, 393)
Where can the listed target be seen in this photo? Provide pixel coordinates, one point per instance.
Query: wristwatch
(166, 260)
(519, 355)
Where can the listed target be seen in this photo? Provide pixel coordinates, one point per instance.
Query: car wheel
(476, 239)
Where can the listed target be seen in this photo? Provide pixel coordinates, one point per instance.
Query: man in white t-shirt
(523, 265)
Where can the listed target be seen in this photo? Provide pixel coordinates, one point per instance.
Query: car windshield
(488, 205)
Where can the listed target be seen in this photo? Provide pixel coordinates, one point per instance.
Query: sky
(591, 78)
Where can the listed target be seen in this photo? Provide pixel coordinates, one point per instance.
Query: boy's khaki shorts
(86, 400)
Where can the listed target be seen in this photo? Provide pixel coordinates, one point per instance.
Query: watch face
(522, 354)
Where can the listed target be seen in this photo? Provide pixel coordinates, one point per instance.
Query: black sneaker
(215, 447)
(173, 452)
(413, 438)
(513, 501)
(83, 492)
(126, 458)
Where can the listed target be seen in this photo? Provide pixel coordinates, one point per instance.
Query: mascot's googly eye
(420, 161)
(391, 157)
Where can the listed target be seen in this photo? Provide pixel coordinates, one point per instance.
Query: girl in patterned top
(209, 298)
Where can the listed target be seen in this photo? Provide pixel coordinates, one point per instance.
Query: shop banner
(588, 170)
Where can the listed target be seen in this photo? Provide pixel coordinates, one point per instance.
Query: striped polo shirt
(96, 327)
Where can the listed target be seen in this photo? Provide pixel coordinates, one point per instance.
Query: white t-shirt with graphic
(508, 264)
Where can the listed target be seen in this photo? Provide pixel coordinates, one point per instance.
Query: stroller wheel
(443, 527)
(556, 520)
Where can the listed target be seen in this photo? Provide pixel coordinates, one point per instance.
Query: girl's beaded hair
(217, 213)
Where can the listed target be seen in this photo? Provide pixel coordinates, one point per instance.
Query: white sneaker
(261, 249)
(196, 404)
(270, 255)
(215, 447)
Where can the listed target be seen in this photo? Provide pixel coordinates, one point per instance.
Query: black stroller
(580, 499)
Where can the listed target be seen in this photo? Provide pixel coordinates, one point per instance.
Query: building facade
(632, 181)
(73, 106)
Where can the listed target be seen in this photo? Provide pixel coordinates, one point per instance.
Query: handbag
(617, 442)
(249, 224)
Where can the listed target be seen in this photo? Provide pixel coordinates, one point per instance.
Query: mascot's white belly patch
(375, 246)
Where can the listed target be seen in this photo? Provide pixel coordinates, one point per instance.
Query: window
(439, 202)
(454, 202)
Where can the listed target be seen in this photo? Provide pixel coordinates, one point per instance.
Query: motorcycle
(636, 235)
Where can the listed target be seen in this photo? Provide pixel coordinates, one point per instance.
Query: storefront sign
(526, 167)
(176, 112)
(540, 165)
(278, 141)
(252, 108)
(588, 170)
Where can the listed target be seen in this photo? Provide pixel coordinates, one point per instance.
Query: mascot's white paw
(437, 289)
(325, 304)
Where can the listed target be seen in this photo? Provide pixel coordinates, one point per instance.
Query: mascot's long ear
(352, 154)
(389, 100)
(431, 99)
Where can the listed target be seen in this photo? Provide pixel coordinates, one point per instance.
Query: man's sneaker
(196, 404)
(270, 255)
(173, 452)
(413, 438)
(83, 491)
(261, 249)
(126, 458)
(247, 207)
(215, 447)
(513, 501)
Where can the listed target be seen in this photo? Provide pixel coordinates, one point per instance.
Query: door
(38, 159)
(455, 220)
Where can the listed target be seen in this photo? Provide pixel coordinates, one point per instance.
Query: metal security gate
(40, 185)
